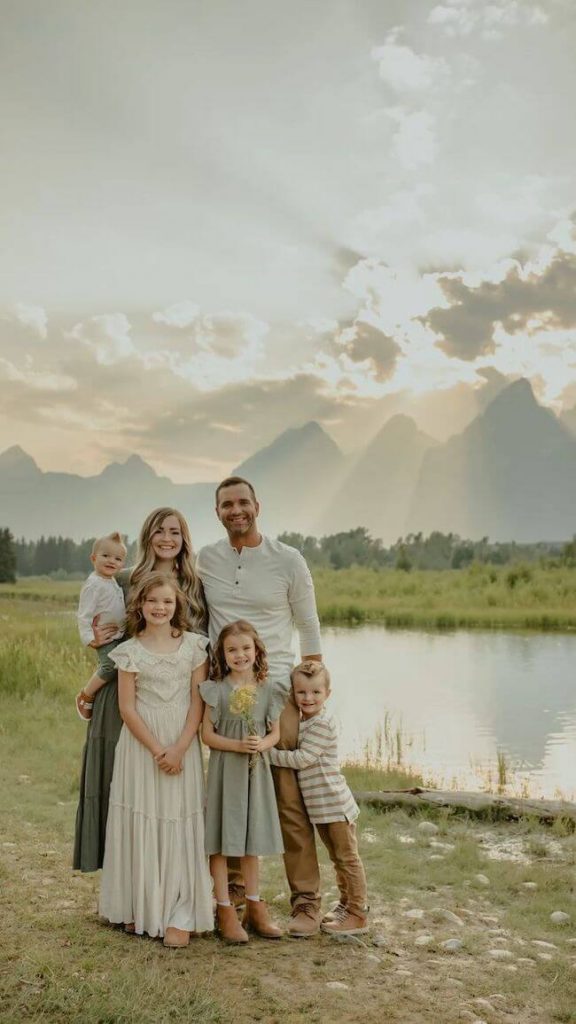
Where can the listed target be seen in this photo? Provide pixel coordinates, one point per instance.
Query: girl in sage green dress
(240, 725)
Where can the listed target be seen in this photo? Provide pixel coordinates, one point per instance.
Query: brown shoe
(237, 896)
(338, 910)
(304, 922)
(256, 919)
(347, 924)
(176, 938)
(231, 931)
(84, 705)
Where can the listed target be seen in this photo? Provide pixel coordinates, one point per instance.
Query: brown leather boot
(256, 919)
(231, 931)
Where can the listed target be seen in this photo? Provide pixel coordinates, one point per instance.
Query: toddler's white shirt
(103, 597)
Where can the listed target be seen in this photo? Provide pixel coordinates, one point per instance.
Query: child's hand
(245, 745)
(102, 634)
(169, 760)
(254, 744)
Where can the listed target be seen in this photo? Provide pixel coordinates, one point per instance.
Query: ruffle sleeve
(276, 703)
(124, 657)
(210, 693)
(198, 646)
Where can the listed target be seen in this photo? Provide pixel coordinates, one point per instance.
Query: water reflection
(459, 699)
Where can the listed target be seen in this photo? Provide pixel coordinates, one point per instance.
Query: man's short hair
(233, 481)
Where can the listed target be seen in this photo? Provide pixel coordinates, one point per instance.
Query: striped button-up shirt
(324, 789)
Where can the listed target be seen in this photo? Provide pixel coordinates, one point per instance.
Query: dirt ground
(60, 963)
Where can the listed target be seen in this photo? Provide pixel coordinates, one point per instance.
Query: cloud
(231, 335)
(492, 20)
(180, 314)
(38, 381)
(391, 296)
(414, 142)
(366, 344)
(108, 336)
(33, 317)
(526, 300)
(563, 234)
(406, 71)
(379, 229)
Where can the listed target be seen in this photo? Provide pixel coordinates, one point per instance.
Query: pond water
(450, 703)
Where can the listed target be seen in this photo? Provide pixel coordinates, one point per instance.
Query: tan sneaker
(304, 922)
(347, 924)
(337, 911)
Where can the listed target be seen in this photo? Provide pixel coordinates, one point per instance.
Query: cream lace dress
(155, 870)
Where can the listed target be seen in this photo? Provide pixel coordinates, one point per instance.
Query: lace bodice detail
(162, 679)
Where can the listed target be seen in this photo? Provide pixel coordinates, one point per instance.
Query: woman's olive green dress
(97, 767)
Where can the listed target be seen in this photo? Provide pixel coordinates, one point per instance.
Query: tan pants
(339, 838)
(300, 858)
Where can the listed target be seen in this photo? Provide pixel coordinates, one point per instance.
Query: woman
(164, 546)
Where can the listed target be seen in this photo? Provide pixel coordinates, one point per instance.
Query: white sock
(255, 898)
(223, 903)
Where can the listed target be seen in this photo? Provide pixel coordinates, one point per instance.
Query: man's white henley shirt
(271, 587)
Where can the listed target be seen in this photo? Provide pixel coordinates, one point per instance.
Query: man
(249, 576)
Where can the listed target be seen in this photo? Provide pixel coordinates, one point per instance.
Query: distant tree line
(415, 551)
(7, 557)
(57, 555)
(63, 557)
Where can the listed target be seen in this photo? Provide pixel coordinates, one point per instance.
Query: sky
(222, 220)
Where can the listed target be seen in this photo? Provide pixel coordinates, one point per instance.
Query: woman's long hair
(135, 621)
(188, 581)
(241, 627)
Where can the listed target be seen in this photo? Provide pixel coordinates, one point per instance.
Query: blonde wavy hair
(135, 621)
(184, 562)
(239, 628)
(309, 669)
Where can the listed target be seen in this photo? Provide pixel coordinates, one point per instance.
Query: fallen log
(482, 805)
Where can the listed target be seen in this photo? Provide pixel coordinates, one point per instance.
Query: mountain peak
(516, 396)
(133, 467)
(310, 438)
(310, 431)
(15, 458)
(399, 430)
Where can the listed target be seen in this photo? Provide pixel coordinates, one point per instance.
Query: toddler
(101, 596)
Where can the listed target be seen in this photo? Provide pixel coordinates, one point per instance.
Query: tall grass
(478, 597)
(481, 596)
(41, 653)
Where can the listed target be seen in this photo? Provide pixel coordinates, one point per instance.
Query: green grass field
(482, 596)
(510, 597)
(59, 964)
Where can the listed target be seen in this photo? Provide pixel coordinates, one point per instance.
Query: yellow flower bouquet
(242, 703)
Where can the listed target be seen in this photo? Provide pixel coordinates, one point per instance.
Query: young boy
(329, 802)
(101, 595)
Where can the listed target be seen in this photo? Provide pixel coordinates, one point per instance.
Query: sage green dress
(241, 813)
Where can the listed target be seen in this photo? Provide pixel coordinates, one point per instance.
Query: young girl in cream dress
(155, 877)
